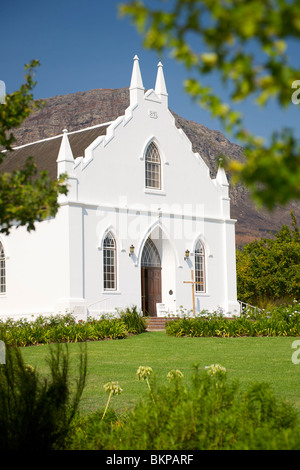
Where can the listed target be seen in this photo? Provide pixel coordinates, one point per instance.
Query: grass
(247, 359)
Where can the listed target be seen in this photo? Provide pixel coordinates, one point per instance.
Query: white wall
(36, 268)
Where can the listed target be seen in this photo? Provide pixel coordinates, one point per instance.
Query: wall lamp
(131, 250)
(187, 255)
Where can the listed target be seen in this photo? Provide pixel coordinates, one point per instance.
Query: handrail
(245, 306)
(98, 302)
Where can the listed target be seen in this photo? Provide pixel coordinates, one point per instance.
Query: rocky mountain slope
(84, 109)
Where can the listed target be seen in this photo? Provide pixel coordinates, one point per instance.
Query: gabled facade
(142, 216)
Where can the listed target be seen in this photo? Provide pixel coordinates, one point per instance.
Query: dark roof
(45, 152)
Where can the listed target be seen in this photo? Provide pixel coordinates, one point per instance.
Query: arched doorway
(151, 278)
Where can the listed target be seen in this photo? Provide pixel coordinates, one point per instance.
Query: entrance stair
(157, 323)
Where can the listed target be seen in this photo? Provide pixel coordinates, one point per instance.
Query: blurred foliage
(26, 197)
(36, 414)
(246, 44)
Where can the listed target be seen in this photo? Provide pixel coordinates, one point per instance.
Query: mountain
(84, 109)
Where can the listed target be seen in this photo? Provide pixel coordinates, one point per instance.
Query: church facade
(142, 220)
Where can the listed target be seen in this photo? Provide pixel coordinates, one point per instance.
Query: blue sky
(83, 45)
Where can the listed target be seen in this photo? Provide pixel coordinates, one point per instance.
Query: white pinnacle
(160, 85)
(136, 77)
(65, 152)
(221, 177)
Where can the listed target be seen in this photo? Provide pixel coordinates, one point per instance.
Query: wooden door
(151, 290)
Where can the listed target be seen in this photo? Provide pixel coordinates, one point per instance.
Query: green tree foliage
(26, 197)
(246, 44)
(270, 268)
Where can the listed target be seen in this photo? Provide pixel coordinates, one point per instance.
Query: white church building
(142, 218)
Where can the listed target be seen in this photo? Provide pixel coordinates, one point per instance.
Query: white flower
(215, 369)
(113, 388)
(173, 374)
(143, 372)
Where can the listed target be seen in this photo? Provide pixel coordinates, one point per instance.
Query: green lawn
(263, 359)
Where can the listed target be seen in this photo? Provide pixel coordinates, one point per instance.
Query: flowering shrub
(279, 321)
(112, 388)
(65, 329)
(144, 372)
(210, 413)
(216, 369)
(174, 374)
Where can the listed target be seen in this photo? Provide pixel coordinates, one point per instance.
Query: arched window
(2, 270)
(200, 267)
(109, 263)
(152, 167)
(150, 255)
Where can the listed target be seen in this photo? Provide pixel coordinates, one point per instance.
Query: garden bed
(65, 329)
(280, 321)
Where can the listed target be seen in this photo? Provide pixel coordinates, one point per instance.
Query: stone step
(157, 323)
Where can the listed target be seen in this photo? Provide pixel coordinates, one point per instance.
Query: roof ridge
(61, 135)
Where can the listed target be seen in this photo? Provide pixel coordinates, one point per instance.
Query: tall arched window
(2, 270)
(109, 263)
(200, 267)
(152, 167)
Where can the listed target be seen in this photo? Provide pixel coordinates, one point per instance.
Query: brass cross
(193, 289)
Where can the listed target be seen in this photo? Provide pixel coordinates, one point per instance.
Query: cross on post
(193, 289)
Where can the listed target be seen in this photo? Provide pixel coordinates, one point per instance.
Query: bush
(87, 430)
(279, 321)
(211, 413)
(35, 413)
(269, 269)
(134, 321)
(65, 329)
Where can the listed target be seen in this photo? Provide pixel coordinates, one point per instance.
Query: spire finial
(65, 152)
(160, 85)
(221, 175)
(136, 84)
(136, 77)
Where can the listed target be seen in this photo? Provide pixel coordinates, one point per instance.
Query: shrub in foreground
(211, 413)
(37, 413)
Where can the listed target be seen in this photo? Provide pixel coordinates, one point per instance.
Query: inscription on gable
(153, 114)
